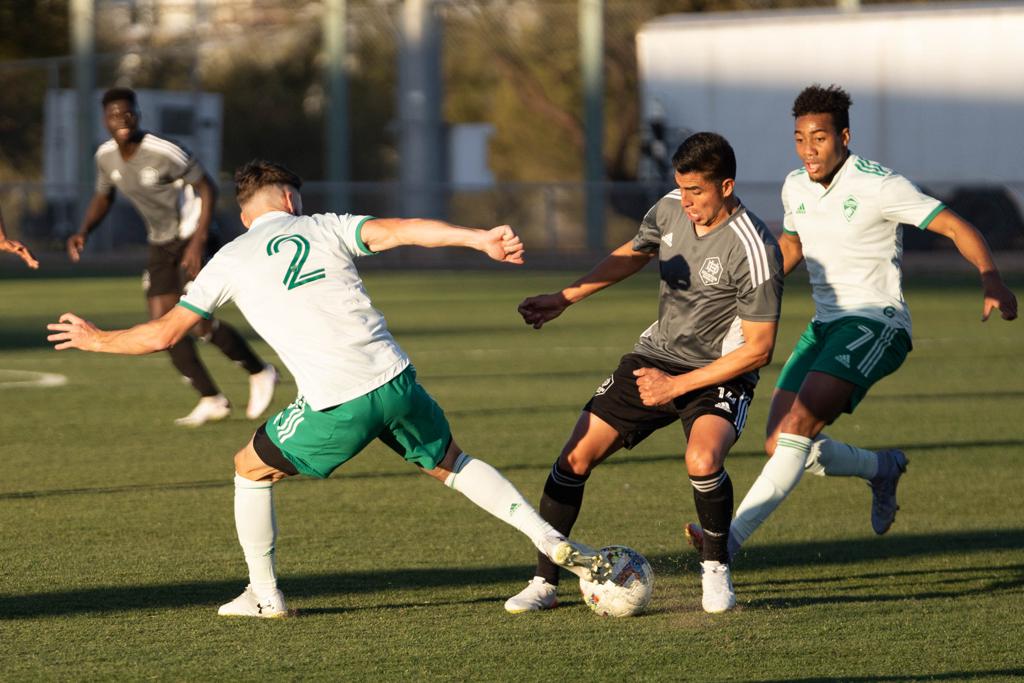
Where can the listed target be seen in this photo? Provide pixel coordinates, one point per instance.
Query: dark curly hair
(706, 153)
(119, 95)
(259, 173)
(831, 100)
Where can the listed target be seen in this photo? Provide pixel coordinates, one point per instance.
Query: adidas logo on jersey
(844, 359)
(667, 239)
(724, 405)
(801, 209)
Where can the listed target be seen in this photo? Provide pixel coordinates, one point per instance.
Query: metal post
(336, 86)
(591, 27)
(421, 148)
(83, 44)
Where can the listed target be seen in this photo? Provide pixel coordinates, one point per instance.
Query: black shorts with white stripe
(617, 402)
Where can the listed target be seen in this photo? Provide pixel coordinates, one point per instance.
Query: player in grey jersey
(721, 290)
(175, 197)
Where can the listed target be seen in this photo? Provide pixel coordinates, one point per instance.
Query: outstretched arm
(15, 247)
(73, 332)
(615, 267)
(657, 387)
(99, 206)
(972, 246)
(500, 243)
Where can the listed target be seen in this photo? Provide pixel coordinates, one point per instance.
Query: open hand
(73, 332)
(20, 250)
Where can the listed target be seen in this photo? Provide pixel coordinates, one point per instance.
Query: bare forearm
(148, 337)
(745, 359)
(616, 267)
(207, 192)
(97, 210)
(424, 232)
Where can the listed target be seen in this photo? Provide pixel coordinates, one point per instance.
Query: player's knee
(700, 462)
(578, 461)
(798, 421)
(771, 442)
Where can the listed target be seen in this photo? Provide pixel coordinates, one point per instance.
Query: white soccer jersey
(851, 238)
(295, 281)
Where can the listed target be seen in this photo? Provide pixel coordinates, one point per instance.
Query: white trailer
(938, 91)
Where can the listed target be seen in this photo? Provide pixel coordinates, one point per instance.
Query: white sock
(256, 525)
(830, 458)
(485, 486)
(779, 476)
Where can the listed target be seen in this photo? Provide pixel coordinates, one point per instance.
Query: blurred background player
(355, 383)
(15, 247)
(175, 197)
(720, 294)
(843, 216)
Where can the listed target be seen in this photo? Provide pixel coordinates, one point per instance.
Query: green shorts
(859, 350)
(400, 413)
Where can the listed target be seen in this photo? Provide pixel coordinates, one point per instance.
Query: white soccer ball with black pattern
(628, 589)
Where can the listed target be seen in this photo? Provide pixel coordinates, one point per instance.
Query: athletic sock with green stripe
(831, 458)
(488, 489)
(779, 476)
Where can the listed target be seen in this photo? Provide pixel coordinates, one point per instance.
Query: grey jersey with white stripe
(156, 180)
(708, 284)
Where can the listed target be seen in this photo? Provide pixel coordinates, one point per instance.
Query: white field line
(29, 378)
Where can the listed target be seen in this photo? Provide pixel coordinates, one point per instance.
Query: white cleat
(538, 595)
(261, 391)
(248, 605)
(717, 584)
(209, 409)
(581, 560)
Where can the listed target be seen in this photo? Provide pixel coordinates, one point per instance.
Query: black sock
(712, 495)
(234, 346)
(186, 360)
(559, 506)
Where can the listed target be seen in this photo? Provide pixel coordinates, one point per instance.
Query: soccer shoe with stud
(716, 583)
(261, 391)
(538, 595)
(581, 560)
(209, 409)
(249, 605)
(891, 466)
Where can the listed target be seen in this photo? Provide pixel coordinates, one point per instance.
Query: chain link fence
(510, 86)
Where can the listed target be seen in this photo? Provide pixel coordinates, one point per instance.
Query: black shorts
(617, 402)
(163, 271)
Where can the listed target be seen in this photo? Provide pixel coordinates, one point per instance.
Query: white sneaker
(538, 595)
(209, 409)
(717, 584)
(248, 605)
(261, 391)
(581, 560)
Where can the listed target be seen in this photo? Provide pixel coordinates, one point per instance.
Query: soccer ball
(628, 588)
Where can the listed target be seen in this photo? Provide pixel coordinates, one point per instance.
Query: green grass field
(118, 541)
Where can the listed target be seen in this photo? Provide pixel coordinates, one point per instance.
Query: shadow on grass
(983, 580)
(999, 674)
(621, 458)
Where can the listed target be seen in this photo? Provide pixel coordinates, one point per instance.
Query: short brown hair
(260, 173)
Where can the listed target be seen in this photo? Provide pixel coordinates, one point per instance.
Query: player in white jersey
(294, 280)
(842, 217)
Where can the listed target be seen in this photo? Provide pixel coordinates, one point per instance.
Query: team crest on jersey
(115, 175)
(711, 271)
(149, 176)
(850, 205)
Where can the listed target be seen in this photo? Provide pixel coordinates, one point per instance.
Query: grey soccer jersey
(157, 180)
(708, 284)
